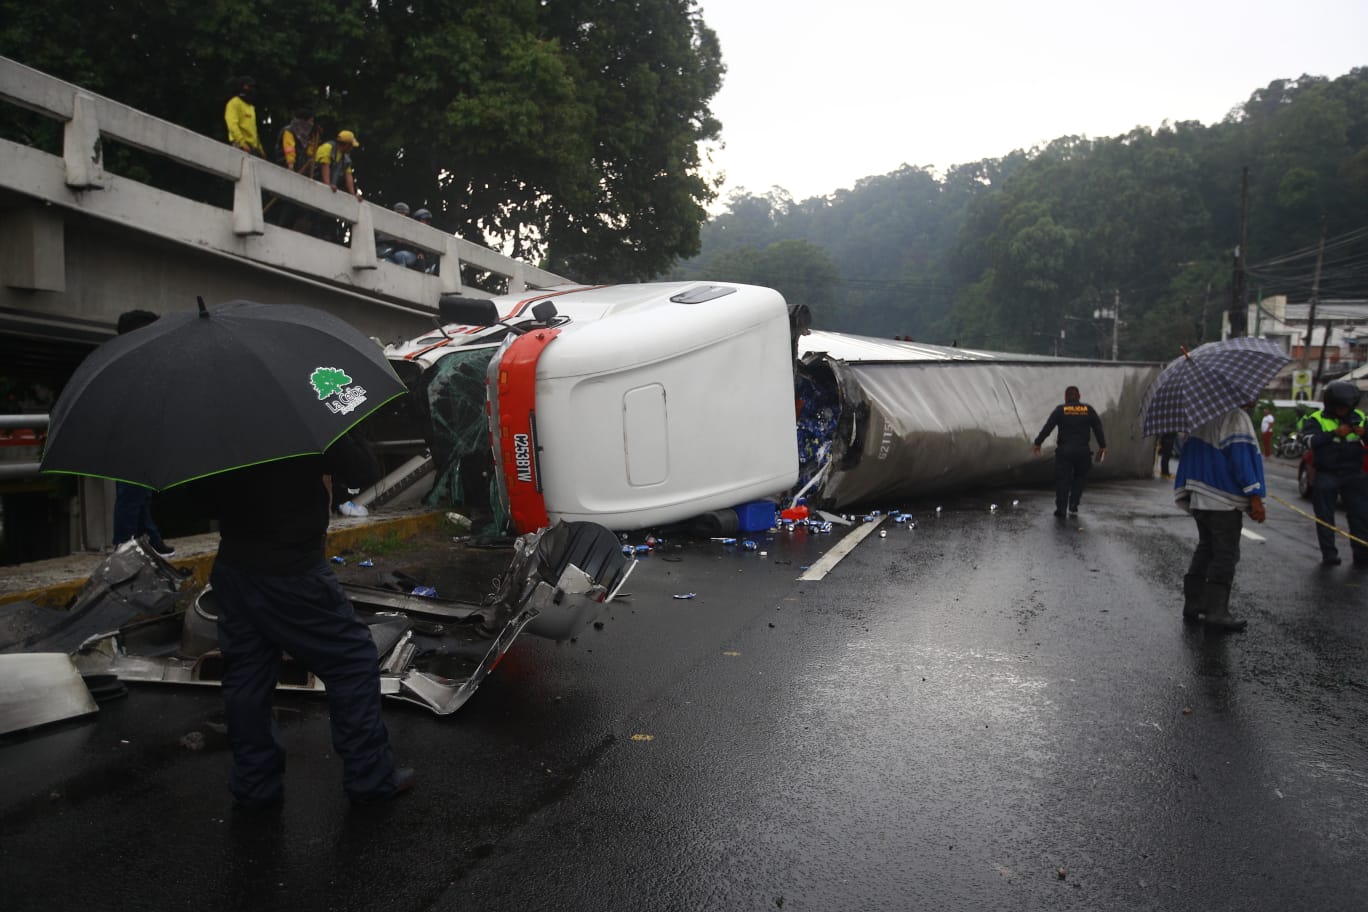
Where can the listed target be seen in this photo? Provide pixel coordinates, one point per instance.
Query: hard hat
(347, 136)
(422, 215)
(1341, 392)
(401, 208)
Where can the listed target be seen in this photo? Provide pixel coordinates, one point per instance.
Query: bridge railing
(89, 118)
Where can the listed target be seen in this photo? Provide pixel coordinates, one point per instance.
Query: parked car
(1306, 472)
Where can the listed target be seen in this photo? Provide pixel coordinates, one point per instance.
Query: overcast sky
(819, 93)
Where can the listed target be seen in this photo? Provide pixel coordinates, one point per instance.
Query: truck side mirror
(544, 312)
(467, 311)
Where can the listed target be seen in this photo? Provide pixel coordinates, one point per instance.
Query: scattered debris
(434, 652)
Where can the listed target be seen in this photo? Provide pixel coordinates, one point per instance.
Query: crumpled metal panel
(133, 582)
(433, 652)
(38, 688)
(913, 429)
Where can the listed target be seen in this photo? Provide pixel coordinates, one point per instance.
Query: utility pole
(1239, 317)
(1325, 343)
(1114, 314)
(1311, 312)
(1206, 304)
(1116, 320)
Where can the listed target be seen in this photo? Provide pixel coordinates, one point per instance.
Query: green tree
(568, 131)
(1007, 252)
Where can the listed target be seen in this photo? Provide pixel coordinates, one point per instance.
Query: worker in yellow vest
(240, 116)
(1337, 439)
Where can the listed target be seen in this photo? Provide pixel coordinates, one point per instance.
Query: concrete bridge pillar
(81, 149)
(33, 248)
(248, 219)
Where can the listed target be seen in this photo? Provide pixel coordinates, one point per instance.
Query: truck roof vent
(701, 293)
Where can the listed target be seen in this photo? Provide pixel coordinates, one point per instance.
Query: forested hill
(1007, 253)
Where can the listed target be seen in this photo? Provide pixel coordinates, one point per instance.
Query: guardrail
(89, 118)
(20, 431)
(26, 422)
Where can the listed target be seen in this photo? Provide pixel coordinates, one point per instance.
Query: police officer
(1077, 421)
(1337, 435)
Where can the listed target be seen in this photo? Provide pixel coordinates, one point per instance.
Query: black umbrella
(198, 393)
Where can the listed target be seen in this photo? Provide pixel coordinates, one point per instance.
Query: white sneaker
(351, 509)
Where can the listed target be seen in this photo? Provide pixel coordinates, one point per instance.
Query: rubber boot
(1216, 608)
(1192, 597)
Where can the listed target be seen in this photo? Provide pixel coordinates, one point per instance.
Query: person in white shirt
(1266, 433)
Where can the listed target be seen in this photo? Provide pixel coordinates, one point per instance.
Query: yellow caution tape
(1316, 519)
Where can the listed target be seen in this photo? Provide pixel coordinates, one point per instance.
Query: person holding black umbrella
(246, 401)
(276, 593)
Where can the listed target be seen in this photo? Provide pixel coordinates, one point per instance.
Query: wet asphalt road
(991, 711)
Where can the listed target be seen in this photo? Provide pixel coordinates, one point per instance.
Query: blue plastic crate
(756, 516)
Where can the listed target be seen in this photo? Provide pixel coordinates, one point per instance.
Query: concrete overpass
(79, 245)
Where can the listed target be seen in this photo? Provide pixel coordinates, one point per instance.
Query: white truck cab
(632, 405)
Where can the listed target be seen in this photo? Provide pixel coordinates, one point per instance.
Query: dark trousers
(1167, 450)
(309, 617)
(1071, 471)
(133, 513)
(1218, 545)
(1330, 487)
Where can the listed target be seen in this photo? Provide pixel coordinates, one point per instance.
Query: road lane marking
(1252, 536)
(833, 557)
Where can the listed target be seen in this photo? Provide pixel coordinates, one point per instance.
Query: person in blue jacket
(1220, 479)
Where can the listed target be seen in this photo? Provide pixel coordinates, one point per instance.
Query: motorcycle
(1291, 446)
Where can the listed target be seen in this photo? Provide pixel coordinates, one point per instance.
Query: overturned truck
(635, 406)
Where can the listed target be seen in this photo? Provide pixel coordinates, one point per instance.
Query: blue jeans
(133, 513)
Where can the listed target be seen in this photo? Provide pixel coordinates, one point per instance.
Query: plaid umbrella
(1209, 381)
